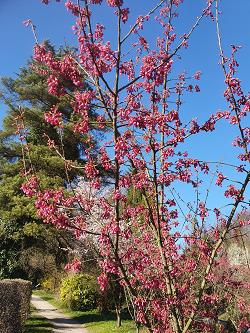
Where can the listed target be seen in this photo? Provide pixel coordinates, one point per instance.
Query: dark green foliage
(79, 292)
(22, 234)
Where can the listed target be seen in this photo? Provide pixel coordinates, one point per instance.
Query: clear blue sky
(54, 23)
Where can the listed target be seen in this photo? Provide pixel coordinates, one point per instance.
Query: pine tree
(20, 228)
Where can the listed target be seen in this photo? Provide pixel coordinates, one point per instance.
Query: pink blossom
(197, 75)
(99, 31)
(54, 117)
(197, 88)
(115, 3)
(31, 186)
(74, 266)
(90, 170)
(54, 86)
(103, 281)
(220, 179)
(128, 69)
(124, 14)
(72, 7)
(27, 22)
(233, 192)
(203, 210)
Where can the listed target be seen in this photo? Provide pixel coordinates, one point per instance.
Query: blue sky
(54, 23)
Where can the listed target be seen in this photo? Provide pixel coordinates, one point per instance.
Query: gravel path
(61, 322)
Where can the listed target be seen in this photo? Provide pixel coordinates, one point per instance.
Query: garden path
(61, 322)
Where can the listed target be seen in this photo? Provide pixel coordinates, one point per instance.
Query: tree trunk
(118, 316)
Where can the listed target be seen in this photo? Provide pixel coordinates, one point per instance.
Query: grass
(92, 320)
(36, 324)
(109, 326)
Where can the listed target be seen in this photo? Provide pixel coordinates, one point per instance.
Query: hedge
(14, 304)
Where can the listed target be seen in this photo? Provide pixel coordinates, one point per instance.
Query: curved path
(61, 322)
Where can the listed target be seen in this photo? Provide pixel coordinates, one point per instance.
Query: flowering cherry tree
(165, 253)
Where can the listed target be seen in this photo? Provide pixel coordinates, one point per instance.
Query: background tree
(21, 231)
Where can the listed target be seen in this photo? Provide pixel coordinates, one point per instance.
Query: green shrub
(79, 292)
(48, 284)
(52, 283)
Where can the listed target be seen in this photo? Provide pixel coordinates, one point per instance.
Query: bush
(49, 284)
(14, 304)
(52, 283)
(79, 292)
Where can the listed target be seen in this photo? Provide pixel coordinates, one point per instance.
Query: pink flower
(233, 193)
(241, 305)
(197, 88)
(197, 75)
(54, 86)
(72, 7)
(143, 43)
(30, 187)
(53, 117)
(99, 31)
(27, 22)
(115, 3)
(90, 170)
(74, 266)
(203, 210)
(103, 281)
(124, 14)
(128, 69)
(220, 179)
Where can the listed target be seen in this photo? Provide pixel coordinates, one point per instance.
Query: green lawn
(36, 324)
(92, 320)
(109, 326)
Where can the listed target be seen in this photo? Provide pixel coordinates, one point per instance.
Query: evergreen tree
(20, 228)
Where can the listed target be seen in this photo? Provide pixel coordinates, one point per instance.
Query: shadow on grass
(45, 296)
(91, 316)
(37, 324)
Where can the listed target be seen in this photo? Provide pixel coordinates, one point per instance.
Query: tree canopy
(20, 227)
